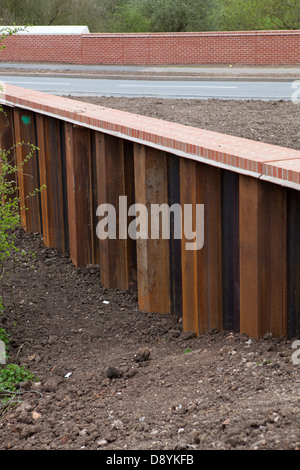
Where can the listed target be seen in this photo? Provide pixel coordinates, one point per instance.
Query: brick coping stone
(267, 162)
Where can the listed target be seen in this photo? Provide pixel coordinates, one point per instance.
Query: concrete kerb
(195, 73)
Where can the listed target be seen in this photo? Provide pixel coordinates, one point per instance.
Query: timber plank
(210, 255)
(28, 177)
(262, 213)
(114, 179)
(190, 292)
(173, 170)
(54, 216)
(152, 253)
(77, 168)
(293, 263)
(230, 250)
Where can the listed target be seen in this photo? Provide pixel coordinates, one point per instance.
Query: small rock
(143, 355)
(268, 336)
(226, 422)
(28, 431)
(117, 424)
(174, 333)
(106, 382)
(250, 364)
(102, 442)
(258, 444)
(111, 437)
(36, 415)
(131, 373)
(24, 417)
(185, 335)
(52, 339)
(27, 385)
(25, 406)
(234, 441)
(196, 437)
(51, 384)
(225, 350)
(113, 373)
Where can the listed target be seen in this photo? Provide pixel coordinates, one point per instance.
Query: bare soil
(275, 122)
(111, 377)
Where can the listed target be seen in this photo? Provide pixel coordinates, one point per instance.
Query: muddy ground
(111, 377)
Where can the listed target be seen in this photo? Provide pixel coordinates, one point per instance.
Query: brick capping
(268, 162)
(280, 32)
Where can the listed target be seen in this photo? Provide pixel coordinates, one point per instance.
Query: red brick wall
(251, 47)
(42, 48)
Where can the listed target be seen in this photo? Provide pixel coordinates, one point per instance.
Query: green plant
(4, 336)
(11, 379)
(10, 205)
(187, 350)
(12, 375)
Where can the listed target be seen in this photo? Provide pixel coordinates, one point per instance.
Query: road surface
(238, 90)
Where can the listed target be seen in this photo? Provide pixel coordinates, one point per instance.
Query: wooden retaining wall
(247, 275)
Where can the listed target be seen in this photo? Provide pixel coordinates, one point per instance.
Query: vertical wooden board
(53, 146)
(18, 162)
(77, 168)
(93, 200)
(51, 175)
(71, 194)
(249, 280)
(130, 193)
(210, 256)
(158, 249)
(142, 244)
(114, 180)
(272, 259)
(28, 124)
(64, 185)
(173, 168)
(82, 151)
(152, 253)
(293, 262)
(28, 178)
(7, 141)
(6, 128)
(45, 194)
(113, 255)
(230, 250)
(189, 258)
(262, 258)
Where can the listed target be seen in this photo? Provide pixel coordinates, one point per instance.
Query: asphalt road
(239, 90)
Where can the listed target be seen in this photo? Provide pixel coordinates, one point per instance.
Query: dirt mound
(112, 377)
